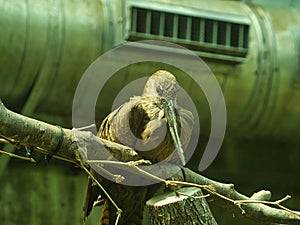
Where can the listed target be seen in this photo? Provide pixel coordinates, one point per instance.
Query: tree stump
(187, 208)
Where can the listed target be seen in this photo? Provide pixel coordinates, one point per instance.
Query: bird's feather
(141, 124)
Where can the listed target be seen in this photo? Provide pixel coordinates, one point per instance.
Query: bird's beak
(170, 113)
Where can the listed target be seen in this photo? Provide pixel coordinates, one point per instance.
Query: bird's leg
(170, 114)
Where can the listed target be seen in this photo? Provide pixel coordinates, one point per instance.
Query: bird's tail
(104, 219)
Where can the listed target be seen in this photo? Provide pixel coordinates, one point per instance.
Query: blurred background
(252, 47)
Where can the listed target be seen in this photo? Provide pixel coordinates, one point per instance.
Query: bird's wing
(106, 132)
(116, 126)
(130, 199)
(135, 120)
(113, 128)
(148, 123)
(92, 195)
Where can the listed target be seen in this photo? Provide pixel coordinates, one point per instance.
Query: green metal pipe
(47, 45)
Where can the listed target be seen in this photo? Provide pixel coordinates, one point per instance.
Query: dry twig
(18, 156)
(119, 211)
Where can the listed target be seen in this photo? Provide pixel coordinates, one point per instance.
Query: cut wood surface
(185, 207)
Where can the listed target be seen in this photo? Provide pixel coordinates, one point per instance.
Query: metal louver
(209, 37)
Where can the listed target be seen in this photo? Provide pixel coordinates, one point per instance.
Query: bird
(150, 124)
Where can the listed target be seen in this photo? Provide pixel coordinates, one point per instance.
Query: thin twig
(18, 156)
(194, 197)
(116, 177)
(275, 203)
(17, 144)
(237, 202)
(134, 164)
(4, 141)
(44, 151)
(131, 164)
(119, 211)
(209, 188)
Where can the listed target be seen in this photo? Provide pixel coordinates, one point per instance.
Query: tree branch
(20, 130)
(255, 207)
(254, 210)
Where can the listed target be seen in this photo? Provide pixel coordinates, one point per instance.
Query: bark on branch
(46, 138)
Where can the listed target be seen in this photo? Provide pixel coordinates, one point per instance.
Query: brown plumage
(141, 124)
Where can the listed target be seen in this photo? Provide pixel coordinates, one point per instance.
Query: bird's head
(163, 84)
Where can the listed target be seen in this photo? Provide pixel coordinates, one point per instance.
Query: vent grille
(204, 35)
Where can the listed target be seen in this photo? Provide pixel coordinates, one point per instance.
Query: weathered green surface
(47, 45)
(39, 194)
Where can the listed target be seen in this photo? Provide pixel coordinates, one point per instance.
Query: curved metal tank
(261, 88)
(45, 48)
(47, 45)
(271, 72)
